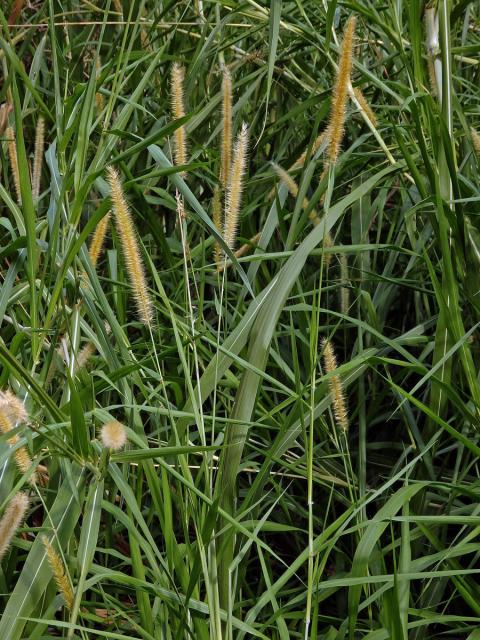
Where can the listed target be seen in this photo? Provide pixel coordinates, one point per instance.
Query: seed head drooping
(178, 111)
(319, 140)
(12, 413)
(235, 186)
(340, 92)
(98, 239)
(11, 520)
(38, 158)
(336, 387)
(364, 106)
(226, 127)
(131, 251)
(292, 187)
(61, 579)
(12, 153)
(113, 435)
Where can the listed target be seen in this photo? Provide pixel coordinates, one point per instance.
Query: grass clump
(249, 408)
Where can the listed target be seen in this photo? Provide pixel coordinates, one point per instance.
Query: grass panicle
(335, 386)
(131, 250)
(226, 155)
(366, 108)
(12, 414)
(475, 140)
(178, 111)
(5, 110)
(12, 518)
(98, 239)
(113, 435)
(292, 187)
(58, 569)
(38, 157)
(12, 154)
(235, 188)
(340, 92)
(84, 356)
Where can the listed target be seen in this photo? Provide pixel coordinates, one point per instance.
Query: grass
(242, 505)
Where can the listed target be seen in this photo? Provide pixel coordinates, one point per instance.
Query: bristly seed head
(178, 111)
(475, 140)
(12, 152)
(98, 239)
(340, 91)
(11, 520)
(56, 565)
(335, 385)
(235, 187)
(226, 127)
(113, 435)
(364, 106)
(13, 407)
(131, 251)
(38, 158)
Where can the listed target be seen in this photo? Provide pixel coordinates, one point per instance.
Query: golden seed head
(128, 239)
(24, 464)
(12, 152)
(335, 386)
(475, 140)
(235, 187)
(364, 106)
(98, 239)
(13, 407)
(226, 127)
(340, 91)
(58, 570)
(11, 520)
(38, 157)
(287, 180)
(178, 111)
(113, 435)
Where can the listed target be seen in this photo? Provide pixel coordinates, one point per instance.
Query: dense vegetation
(263, 427)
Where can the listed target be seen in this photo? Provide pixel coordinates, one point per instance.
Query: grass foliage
(186, 469)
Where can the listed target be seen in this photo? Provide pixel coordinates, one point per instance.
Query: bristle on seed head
(235, 187)
(113, 435)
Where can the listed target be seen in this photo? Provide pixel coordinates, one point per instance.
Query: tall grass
(250, 407)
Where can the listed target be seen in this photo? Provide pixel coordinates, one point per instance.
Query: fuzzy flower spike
(131, 250)
(113, 435)
(235, 187)
(12, 519)
(336, 386)
(12, 413)
(340, 92)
